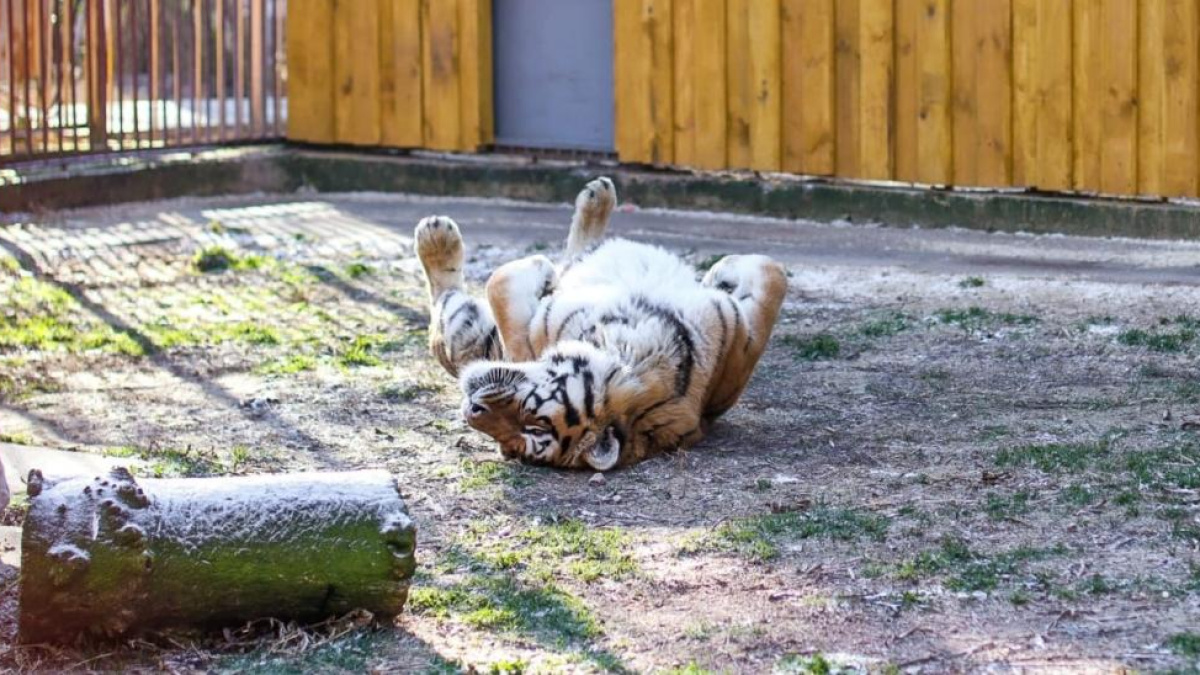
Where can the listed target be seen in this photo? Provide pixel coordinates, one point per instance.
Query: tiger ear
(605, 452)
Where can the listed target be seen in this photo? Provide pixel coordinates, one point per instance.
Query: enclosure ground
(961, 449)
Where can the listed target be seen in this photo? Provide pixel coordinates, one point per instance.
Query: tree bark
(113, 556)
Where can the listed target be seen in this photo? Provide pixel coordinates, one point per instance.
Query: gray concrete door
(554, 73)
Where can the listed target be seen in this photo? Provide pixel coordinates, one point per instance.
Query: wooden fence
(1062, 95)
(1077, 95)
(393, 73)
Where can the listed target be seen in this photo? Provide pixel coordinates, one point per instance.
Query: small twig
(918, 661)
(87, 661)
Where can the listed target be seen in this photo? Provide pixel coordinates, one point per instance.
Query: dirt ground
(962, 451)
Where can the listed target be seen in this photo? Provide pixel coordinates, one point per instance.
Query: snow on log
(113, 556)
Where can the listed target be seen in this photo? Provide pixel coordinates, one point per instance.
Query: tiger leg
(514, 291)
(755, 286)
(593, 207)
(461, 329)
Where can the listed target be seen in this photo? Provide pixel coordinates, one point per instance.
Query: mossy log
(114, 556)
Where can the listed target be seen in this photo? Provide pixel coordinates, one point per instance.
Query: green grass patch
(816, 664)
(219, 259)
(361, 352)
(549, 551)
(504, 604)
(1096, 584)
(1135, 478)
(16, 439)
(1055, 457)
(1078, 495)
(968, 570)
(9, 265)
(38, 316)
(176, 462)
(1007, 506)
(813, 348)
(588, 552)
(406, 393)
(511, 589)
(760, 537)
(168, 335)
(290, 365)
(1158, 341)
(706, 264)
(1185, 644)
(972, 282)
(887, 325)
(478, 474)
(358, 270)
(977, 318)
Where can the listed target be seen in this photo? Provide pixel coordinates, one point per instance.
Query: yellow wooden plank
(982, 114)
(995, 89)
(935, 152)
(310, 71)
(356, 68)
(966, 92)
(400, 73)
(700, 97)
(766, 140)
(754, 139)
(1027, 84)
(441, 98)
(1182, 171)
(661, 91)
(848, 88)
(1167, 134)
(1087, 66)
(1120, 45)
(875, 46)
(739, 82)
(631, 71)
(643, 80)
(1056, 114)
(684, 29)
(1042, 96)
(809, 57)
(1106, 111)
(908, 89)
(475, 86)
(1152, 54)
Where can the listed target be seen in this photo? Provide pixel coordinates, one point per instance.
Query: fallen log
(113, 556)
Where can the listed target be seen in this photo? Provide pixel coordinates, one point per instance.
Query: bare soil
(962, 451)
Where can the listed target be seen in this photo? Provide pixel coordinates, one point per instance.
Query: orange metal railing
(87, 76)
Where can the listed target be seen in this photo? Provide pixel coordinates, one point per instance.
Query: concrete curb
(103, 180)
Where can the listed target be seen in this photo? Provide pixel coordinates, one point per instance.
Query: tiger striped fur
(616, 354)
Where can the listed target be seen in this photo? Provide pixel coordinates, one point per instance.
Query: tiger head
(554, 411)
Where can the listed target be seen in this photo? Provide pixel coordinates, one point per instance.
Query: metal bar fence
(94, 76)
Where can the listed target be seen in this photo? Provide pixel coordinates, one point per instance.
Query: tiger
(615, 354)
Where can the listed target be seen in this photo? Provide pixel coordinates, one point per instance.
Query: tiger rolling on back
(613, 355)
